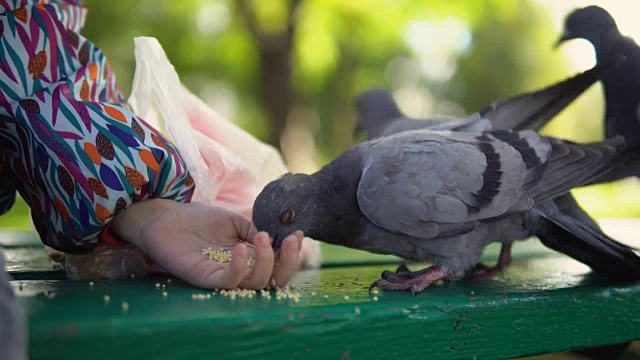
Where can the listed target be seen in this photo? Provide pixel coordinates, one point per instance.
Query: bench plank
(545, 302)
(537, 306)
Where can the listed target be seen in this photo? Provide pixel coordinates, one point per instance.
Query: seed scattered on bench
(90, 283)
(168, 281)
(233, 294)
(286, 293)
(375, 298)
(165, 294)
(157, 285)
(356, 310)
(346, 297)
(265, 294)
(107, 298)
(375, 291)
(201, 296)
(125, 306)
(223, 256)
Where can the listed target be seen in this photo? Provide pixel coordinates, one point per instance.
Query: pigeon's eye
(287, 218)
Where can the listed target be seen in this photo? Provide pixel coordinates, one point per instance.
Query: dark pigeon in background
(621, 85)
(431, 196)
(564, 227)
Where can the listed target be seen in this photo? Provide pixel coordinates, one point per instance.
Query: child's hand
(175, 234)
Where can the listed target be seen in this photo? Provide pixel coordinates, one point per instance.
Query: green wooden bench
(544, 303)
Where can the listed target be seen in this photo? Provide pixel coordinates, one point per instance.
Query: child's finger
(231, 277)
(255, 234)
(288, 259)
(259, 275)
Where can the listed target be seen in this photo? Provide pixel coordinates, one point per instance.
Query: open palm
(176, 237)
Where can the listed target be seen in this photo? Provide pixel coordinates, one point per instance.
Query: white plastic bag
(229, 166)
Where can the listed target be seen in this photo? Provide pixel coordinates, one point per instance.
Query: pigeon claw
(415, 281)
(480, 273)
(389, 275)
(402, 269)
(483, 273)
(375, 284)
(414, 285)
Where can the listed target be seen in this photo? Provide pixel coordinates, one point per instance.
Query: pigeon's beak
(564, 37)
(277, 241)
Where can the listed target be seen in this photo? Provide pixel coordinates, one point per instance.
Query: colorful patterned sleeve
(70, 146)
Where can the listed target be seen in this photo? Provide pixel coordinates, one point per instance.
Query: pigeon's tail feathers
(535, 109)
(574, 165)
(587, 244)
(630, 168)
(376, 109)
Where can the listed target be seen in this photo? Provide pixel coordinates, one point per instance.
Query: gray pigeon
(431, 196)
(621, 85)
(565, 227)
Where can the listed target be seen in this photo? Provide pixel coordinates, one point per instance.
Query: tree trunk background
(276, 89)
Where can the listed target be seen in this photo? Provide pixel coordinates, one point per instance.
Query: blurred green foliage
(439, 57)
(340, 48)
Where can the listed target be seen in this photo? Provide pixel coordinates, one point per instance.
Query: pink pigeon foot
(481, 272)
(414, 281)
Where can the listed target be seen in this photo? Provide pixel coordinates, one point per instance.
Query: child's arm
(73, 151)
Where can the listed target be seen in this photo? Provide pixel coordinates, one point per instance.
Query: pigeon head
(591, 23)
(376, 108)
(284, 206)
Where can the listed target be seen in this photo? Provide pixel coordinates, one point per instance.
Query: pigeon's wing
(573, 165)
(628, 169)
(474, 124)
(379, 115)
(427, 184)
(535, 109)
(434, 123)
